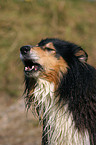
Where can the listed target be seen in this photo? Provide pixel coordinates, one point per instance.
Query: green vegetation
(25, 22)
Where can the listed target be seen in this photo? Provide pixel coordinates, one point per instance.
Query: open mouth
(30, 66)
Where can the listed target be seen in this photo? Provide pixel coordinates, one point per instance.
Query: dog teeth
(26, 68)
(33, 67)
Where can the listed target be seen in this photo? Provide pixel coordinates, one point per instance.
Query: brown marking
(52, 66)
(50, 45)
(59, 67)
(81, 52)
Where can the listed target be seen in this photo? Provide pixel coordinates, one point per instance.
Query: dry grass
(28, 21)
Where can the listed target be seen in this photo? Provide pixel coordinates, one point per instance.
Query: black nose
(25, 49)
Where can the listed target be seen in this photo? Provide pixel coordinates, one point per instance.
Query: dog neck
(59, 127)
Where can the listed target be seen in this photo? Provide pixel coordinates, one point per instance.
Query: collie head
(50, 59)
(58, 82)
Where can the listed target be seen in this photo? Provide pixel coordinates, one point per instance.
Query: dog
(61, 88)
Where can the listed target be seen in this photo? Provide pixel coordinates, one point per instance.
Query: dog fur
(61, 88)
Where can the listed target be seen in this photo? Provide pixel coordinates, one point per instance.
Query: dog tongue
(36, 68)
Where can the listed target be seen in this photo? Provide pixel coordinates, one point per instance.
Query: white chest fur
(62, 127)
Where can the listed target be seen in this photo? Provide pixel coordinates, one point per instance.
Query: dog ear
(81, 55)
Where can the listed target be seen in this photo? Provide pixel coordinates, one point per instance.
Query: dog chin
(32, 74)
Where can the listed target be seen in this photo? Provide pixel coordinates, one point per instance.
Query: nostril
(25, 49)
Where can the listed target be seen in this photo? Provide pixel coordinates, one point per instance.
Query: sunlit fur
(62, 92)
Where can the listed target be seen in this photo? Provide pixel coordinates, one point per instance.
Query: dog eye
(49, 49)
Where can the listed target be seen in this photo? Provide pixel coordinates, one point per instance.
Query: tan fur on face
(50, 45)
(52, 66)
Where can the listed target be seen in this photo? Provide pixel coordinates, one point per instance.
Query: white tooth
(33, 67)
(26, 68)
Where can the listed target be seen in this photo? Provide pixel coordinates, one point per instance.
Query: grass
(28, 21)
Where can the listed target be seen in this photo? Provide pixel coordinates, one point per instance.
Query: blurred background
(24, 22)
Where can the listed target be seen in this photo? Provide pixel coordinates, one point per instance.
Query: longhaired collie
(61, 89)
